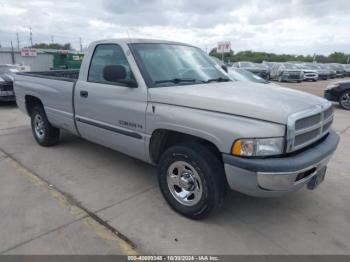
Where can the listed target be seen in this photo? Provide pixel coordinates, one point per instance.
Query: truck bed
(55, 90)
(64, 75)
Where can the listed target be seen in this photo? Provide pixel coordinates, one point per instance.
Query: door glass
(108, 55)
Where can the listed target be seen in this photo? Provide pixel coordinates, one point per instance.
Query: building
(35, 59)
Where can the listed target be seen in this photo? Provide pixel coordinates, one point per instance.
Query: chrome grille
(328, 113)
(305, 137)
(6, 86)
(308, 126)
(327, 126)
(308, 121)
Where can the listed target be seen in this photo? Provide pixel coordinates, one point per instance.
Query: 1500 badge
(129, 124)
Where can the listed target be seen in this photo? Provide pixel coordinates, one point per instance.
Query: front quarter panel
(218, 128)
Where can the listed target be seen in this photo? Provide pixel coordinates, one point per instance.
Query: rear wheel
(344, 100)
(44, 133)
(192, 180)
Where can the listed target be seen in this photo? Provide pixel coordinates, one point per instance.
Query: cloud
(291, 26)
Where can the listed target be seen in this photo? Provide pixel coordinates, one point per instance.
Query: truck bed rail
(62, 75)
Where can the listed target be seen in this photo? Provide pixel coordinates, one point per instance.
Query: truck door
(111, 113)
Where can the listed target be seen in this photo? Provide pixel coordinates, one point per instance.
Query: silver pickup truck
(170, 105)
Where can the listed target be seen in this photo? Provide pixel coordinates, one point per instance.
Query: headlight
(258, 147)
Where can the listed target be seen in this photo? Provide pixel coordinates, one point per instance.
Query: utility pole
(12, 54)
(52, 39)
(30, 36)
(81, 44)
(17, 35)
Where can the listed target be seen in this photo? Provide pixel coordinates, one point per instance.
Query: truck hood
(262, 101)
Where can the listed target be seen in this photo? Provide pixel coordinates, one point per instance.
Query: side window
(108, 55)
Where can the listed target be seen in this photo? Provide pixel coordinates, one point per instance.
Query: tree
(258, 57)
(66, 46)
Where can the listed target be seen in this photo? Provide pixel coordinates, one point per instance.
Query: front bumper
(7, 96)
(292, 78)
(272, 177)
(310, 77)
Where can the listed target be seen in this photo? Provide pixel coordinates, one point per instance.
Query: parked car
(240, 74)
(339, 70)
(346, 68)
(170, 105)
(287, 72)
(332, 71)
(268, 64)
(323, 73)
(7, 73)
(339, 92)
(310, 74)
(219, 63)
(258, 69)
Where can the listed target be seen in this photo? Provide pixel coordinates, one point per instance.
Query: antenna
(30, 36)
(127, 31)
(17, 35)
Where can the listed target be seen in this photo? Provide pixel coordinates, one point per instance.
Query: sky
(278, 26)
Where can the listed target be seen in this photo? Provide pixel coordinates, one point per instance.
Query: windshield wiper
(219, 79)
(178, 80)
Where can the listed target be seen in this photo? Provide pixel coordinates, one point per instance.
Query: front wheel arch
(162, 139)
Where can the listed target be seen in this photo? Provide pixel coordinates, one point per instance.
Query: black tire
(342, 105)
(50, 135)
(210, 171)
(299, 81)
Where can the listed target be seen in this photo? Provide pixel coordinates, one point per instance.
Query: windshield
(244, 75)
(8, 69)
(290, 66)
(246, 64)
(173, 65)
(308, 66)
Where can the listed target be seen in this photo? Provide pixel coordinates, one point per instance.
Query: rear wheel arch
(32, 102)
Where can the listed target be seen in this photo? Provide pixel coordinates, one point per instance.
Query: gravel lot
(52, 201)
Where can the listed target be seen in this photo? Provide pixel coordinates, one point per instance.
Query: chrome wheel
(39, 126)
(184, 183)
(345, 100)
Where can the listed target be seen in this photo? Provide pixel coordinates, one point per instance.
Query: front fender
(218, 128)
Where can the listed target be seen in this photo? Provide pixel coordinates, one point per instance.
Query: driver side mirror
(117, 74)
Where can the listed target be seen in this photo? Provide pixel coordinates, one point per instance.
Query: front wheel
(192, 180)
(44, 133)
(344, 100)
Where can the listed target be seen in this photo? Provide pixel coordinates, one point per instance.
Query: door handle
(84, 93)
